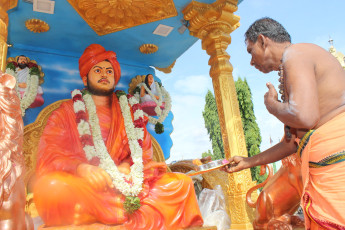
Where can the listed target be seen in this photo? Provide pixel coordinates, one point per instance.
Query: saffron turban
(94, 54)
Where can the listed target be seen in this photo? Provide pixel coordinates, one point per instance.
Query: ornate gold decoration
(148, 48)
(36, 25)
(3, 54)
(108, 16)
(166, 69)
(134, 82)
(213, 23)
(3, 25)
(4, 6)
(8, 4)
(338, 55)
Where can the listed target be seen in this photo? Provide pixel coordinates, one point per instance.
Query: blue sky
(307, 21)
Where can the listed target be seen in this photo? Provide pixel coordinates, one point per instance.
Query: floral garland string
(159, 128)
(93, 144)
(32, 85)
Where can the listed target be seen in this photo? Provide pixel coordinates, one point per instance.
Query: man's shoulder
(305, 48)
(306, 52)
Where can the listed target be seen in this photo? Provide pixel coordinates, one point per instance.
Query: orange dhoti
(322, 153)
(168, 200)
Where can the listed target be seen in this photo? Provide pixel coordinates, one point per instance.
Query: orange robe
(168, 200)
(322, 152)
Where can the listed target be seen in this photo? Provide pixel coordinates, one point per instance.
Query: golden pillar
(213, 23)
(5, 5)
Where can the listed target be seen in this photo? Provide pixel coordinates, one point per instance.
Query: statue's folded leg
(171, 203)
(64, 199)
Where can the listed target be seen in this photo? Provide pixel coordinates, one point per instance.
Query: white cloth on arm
(22, 77)
(147, 96)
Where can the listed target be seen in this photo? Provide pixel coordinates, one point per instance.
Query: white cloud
(72, 80)
(62, 90)
(190, 138)
(120, 85)
(193, 84)
(62, 69)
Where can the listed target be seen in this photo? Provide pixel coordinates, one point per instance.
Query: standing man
(312, 108)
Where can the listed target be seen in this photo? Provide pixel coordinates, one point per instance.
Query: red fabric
(168, 200)
(149, 107)
(94, 54)
(39, 101)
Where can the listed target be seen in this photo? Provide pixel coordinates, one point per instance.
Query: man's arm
(302, 108)
(277, 152)
(59, 148)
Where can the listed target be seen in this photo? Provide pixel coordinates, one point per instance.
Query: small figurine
(29, 78)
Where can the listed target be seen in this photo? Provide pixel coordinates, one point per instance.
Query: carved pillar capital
(204, 18)
(213, 23)
(8, 4)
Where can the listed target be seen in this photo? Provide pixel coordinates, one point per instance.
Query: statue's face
(100, 80)
(22, 60)
(150, 79)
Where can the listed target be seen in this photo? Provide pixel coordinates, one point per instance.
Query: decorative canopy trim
(109, 16)
(37, 25)
(148, 48)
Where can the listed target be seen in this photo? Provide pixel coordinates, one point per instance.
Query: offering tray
(208, 167)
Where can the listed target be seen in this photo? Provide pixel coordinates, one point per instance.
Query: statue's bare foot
(278, 225)
(81, 217)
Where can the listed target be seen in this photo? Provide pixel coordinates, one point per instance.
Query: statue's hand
(236, 164)
(95, 176)
(22, 85)
(124, 167)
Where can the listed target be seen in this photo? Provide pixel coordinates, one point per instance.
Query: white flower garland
(99, 149)
(161, 93)
(30, 91)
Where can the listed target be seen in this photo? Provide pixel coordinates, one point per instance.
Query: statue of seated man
(24, 79)
(95, 160)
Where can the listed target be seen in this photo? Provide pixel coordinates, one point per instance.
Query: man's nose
(251, 62)
(104, 73)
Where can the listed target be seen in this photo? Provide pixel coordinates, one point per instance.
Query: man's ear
(262, 41)
(84, 80)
